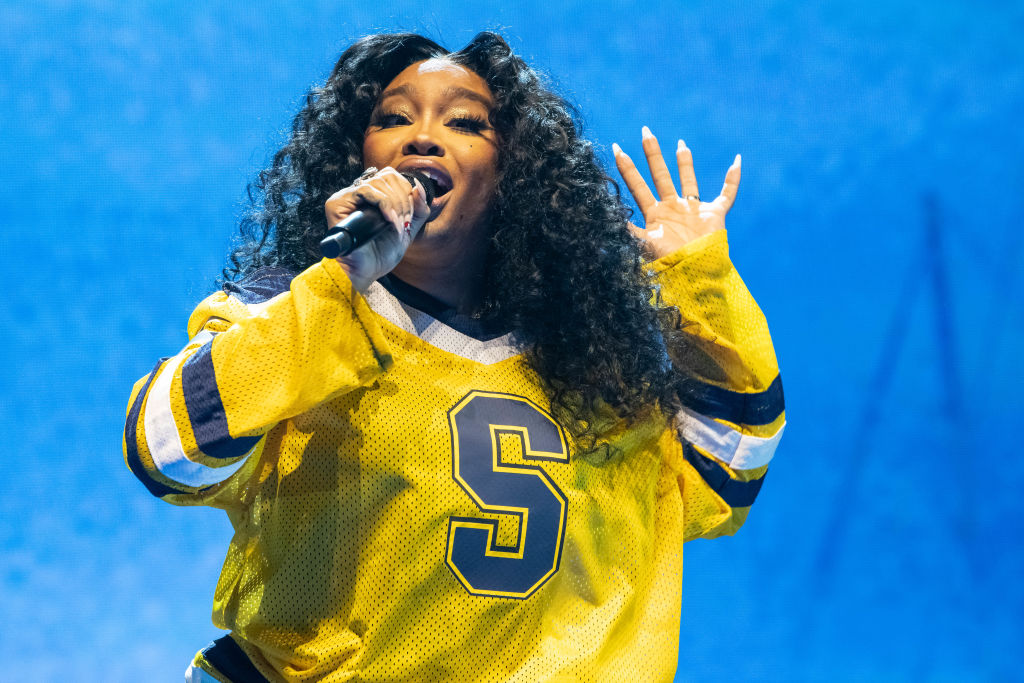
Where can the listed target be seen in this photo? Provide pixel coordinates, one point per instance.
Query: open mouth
(442, 181)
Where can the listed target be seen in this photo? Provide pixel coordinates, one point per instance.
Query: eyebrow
(451, 92)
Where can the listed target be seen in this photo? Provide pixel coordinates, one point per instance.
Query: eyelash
(474, 124)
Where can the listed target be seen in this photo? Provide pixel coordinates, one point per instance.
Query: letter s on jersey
(482, 565)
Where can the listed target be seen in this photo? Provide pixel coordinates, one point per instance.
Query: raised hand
(672, 220)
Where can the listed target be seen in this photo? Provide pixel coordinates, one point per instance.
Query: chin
(440, 238)
(432, 236)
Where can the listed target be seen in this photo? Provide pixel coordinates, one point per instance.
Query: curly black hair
(562, 269)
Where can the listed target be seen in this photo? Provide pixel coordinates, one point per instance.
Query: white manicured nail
(646, 132)
(616, 150)
(681, 146)
(736, 161)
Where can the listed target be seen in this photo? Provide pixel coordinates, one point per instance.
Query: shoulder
(260, 285)
(231, 303)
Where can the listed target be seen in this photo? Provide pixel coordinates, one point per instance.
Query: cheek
(484, 178)
(368, 154)
(375, 151)
(480, 189)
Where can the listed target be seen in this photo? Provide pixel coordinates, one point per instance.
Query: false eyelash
(475, 123)
(472, 123)
(381, 117)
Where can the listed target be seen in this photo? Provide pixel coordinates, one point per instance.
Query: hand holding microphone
(374, 220)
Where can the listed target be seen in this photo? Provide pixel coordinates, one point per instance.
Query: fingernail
(646, 132)
(737, 160)
(616, 150)
(681, 146)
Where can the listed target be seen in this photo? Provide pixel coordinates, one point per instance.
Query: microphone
(363, 226)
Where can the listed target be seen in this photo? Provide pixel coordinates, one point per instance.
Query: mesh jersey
(404, 506)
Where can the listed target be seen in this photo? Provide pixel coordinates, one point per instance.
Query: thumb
(644, 238)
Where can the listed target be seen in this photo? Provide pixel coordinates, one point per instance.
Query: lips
(437, 206)
(432, 171)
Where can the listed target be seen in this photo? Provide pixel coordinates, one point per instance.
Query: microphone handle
(363, 226)
(358, 228)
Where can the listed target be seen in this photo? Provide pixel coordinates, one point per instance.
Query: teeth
(436, 176)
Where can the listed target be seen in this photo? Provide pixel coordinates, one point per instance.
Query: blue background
(878, 224)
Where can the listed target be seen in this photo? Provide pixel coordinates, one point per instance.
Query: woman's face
(433, 117)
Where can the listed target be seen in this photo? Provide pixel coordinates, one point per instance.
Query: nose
(423, 144)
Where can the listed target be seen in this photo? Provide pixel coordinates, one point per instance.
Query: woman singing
(473, 448)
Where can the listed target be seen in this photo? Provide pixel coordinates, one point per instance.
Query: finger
(731, 186)
(634, 181)
(659, 170)
(687, 178)
(382, 200)
(400, 189)
(420, 207)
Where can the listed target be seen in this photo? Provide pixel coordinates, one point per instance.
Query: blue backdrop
(878, 224)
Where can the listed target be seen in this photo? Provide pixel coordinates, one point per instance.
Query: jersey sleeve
(733, 412)
(257, 354)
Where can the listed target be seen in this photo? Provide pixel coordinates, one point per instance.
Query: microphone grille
(429, 186)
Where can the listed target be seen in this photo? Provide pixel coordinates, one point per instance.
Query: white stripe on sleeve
(738, 451)
(162, 435)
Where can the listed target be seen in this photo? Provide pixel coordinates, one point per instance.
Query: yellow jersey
(405, 508)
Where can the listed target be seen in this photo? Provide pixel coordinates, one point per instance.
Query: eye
(468, 123)
(390, 120)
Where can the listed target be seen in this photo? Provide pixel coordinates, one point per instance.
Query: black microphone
(360, 227)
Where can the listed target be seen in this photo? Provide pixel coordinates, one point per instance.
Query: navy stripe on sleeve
(735, 493)
(760, 408)
(230, 660)
(206, 410)
(132, 445)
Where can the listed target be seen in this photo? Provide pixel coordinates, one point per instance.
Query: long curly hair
(562, 271)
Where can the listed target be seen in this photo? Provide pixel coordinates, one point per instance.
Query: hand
(402, 204)
(672, 221)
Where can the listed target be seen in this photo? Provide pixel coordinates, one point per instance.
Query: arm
(196, 424)
(733, 412)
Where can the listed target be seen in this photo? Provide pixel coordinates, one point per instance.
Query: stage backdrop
(878, 224)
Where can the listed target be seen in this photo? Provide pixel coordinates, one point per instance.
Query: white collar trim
(436, 333)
